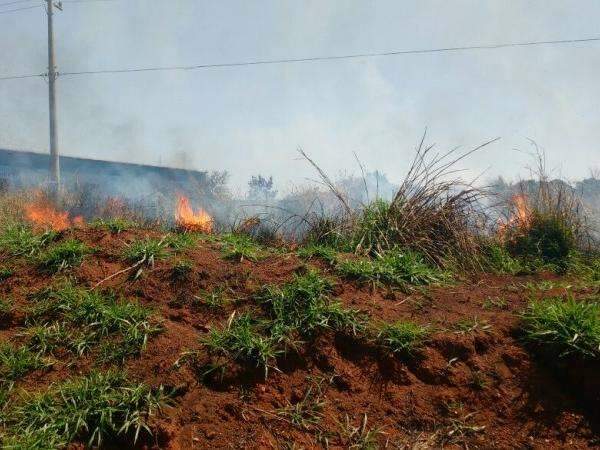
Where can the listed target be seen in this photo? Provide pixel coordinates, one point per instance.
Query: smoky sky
(251, 120)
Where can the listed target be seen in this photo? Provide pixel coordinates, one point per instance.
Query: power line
(327, 58)
(20, 77)
(15, 2)
(20, 9)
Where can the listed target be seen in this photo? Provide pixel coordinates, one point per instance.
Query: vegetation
(561, 328)
(146, 251)
(114, 225)
(17, 362)
(77, 319)
(399, 268)
(5, 273)
(404, 338)
(243, 340)
(182, 270)
(93, 408)
(19, 239)
(238, 247)
(63, 255)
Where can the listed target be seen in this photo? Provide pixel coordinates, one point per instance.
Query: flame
(42, 214)
(520, 216)
(186, 218)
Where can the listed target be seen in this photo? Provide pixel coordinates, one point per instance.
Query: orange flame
(43, 215)
(186, 218)
(520, 216)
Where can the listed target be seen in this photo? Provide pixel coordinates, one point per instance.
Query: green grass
(94, 408)
(304, 306)
(21, 240)
(243, 339)
(76, 319)
(305, 413)
(500, 261)
(563, 327)
(181, 241)
(5, 307)
(404, 338)
(324, 252)
(16, 362)
(238, 247)
(63, 255)
(213, 299)
(114, 225)
(146, 251)
(5, 273)
(396, 268)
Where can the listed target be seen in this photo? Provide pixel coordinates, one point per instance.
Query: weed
(19, 239)
(563, 327)
(306, 412)
(181, 241)
(303, 305)
(182, 269)
(5, 307)
(114, 225)
(213, 299)
(359, 437)
(405, 338)
(391, 268)
(311, 251)
(499, 260)
(64, 255)
(495, 302)
(17, 362)
(238, 247)
(95, 407)
(242, 340)
(5, 273)
(146, 251)
(478, 380)
(471, 326)
(77, 319)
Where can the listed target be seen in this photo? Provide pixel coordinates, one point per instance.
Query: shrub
(548, 237)
(95, 407)
(64, 255)
(405, 338)
(563, 327)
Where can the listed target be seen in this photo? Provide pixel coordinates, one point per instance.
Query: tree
(261, 189)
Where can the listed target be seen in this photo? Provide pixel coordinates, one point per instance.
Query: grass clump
(21, 240)
(5, 273)
(146, 251)
(404, 338)
(94, 408)
(5, 307)
(216, 298)
(562, 327)
(547, 236)
(16, 362)
(324, 252)
(115, 225)
(181, 241)
(304, 306)
(500, 261)
(397, 268)
(243, 340)
(77, 320)
(239, 247)
(63, 255)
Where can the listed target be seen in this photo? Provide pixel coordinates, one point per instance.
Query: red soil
(476, 389)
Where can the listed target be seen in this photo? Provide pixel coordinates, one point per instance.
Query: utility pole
(52, 76)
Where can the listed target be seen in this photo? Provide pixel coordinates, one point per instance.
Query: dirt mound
(473, 385)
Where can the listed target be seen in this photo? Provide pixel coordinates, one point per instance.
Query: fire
(186, 218)
(43, 215)
(520, 216)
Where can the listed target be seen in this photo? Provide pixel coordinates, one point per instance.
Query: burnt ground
(474, 385)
